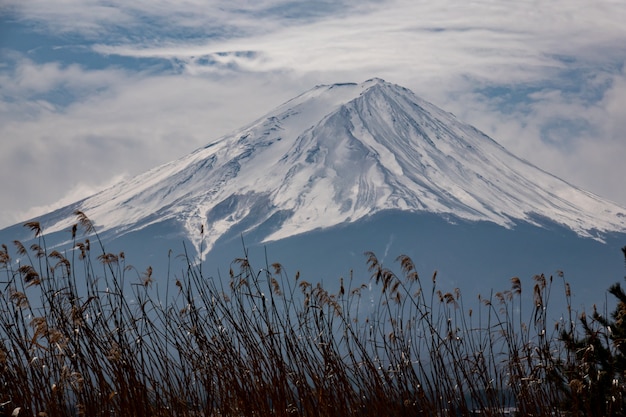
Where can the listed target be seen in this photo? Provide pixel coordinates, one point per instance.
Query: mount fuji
(346, 168)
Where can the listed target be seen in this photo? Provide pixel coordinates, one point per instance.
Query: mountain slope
(337, 154)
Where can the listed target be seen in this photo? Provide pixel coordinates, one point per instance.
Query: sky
(95, 91)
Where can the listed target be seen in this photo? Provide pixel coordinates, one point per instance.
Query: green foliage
(596, 371)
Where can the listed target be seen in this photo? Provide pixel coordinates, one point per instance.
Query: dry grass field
(83, 333)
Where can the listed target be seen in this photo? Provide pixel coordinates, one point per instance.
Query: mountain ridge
(338, 153)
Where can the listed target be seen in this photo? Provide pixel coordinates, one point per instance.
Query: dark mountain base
(475, 257)
(478, 258)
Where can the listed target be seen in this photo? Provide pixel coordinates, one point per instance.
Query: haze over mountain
(334, 156)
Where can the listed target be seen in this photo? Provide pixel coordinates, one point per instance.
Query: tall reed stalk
(83, 333)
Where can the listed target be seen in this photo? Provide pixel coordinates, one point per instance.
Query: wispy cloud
(545, 79)
(165, 19)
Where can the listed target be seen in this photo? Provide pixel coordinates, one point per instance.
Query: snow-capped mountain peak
(338, 153)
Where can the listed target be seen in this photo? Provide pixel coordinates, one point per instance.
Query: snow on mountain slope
(338, 153)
